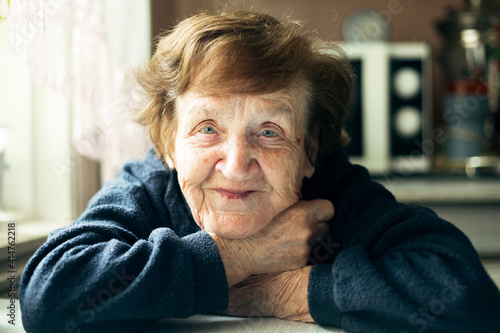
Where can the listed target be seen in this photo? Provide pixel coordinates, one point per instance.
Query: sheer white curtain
(87, 50)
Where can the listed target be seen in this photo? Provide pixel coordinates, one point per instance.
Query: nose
(238, 162)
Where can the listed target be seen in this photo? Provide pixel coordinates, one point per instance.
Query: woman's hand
(281, 295)
(283, 245)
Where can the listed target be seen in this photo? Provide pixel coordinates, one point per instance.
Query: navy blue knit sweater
(136, 255)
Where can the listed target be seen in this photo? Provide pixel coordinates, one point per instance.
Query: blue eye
(268, 133)
(208, 130)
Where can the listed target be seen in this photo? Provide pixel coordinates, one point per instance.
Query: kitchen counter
(443, 189)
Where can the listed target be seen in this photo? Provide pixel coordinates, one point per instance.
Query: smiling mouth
(234, 194)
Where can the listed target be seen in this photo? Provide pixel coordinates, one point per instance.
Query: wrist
(237, 269)
(304, 315)
(295, 305)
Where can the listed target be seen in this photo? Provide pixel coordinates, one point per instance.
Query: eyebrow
(280, 109)
(283, 108)
(286, 110)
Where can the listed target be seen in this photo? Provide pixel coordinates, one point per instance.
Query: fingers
(249, 300)
(322, 210)
(281, 295)
(321, 229)
(285, 244)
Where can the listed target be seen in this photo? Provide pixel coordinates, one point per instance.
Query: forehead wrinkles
(289, 103)
(294, 101)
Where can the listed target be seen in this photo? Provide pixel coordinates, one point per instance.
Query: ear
(170, 163)
(309, 169)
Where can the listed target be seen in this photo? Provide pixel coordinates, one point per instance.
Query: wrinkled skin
(272, 295)
(241, 161)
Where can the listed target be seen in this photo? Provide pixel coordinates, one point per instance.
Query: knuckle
(310, 234)
(304, 252)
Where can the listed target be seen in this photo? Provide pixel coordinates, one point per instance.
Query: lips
(234, 193)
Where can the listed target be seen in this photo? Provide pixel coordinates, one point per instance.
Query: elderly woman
(233, 211)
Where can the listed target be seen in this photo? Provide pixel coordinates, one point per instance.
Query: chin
(233, 226)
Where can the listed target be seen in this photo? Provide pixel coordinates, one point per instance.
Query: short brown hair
(246, 53)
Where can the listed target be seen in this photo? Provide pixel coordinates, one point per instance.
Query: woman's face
(240, 158)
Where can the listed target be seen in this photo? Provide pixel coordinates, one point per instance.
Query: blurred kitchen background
(424, 111)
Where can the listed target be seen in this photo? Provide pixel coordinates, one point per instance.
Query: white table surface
(197, 323)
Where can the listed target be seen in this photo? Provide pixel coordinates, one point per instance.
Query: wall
(414, 20)
(411, 20)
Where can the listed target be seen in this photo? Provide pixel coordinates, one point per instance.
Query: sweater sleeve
(120, 264)
(397, 268)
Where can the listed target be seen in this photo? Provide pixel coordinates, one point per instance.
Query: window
(37, 120)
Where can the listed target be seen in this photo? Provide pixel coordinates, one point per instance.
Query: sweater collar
(181, 218)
